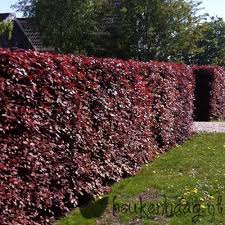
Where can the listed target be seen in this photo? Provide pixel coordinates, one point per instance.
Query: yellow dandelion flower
(203, 206)
(194, 190)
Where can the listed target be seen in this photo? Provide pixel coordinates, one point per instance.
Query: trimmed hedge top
(72, 125)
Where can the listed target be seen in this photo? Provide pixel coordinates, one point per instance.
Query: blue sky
(5, 5)
(213, 7)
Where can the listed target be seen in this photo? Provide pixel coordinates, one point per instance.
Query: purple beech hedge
(216, 100)
(72, 125)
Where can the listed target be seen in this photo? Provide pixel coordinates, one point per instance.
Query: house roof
(3, 16)
(6, 16)
(33, 36)
(27, 26)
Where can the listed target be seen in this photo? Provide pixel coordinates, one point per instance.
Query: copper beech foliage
(72, 125)
(216, 89)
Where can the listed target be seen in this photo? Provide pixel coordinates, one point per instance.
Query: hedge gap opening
(202, 95)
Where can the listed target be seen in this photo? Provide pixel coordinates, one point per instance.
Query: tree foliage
(25, 6)
(6, 29)
(138, 29)
(65, 24)
(154, 29)
(212, 43)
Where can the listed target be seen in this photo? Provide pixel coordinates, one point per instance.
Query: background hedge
(72, 125)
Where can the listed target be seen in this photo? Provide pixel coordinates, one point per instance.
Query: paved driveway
(209, 127)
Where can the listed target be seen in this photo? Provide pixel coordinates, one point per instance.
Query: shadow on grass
(94, 209)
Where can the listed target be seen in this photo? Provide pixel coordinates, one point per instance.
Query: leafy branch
(6, 29)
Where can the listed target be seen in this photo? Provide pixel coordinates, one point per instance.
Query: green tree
(212, 43)
(155, 29)
(25, 6)
(6, 29)
(67, 25)
(138, 29)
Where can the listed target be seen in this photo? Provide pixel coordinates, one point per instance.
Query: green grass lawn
(184, 186)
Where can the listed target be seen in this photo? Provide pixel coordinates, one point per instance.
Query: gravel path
(209, 127)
